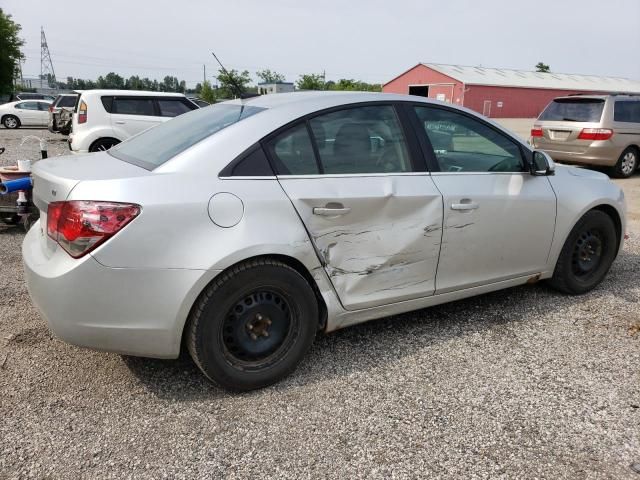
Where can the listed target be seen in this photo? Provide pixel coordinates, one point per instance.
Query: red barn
(498, 92)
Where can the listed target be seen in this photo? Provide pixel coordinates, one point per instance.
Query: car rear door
(131, 115)
(43, 113)
(498, 219)
(372, 212)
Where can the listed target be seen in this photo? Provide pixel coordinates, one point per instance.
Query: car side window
(133, 106)
(43, 106)
(172, 107)
(627, 111)
(27, 106)
(366, 139)
(463, 144)
(292, 152)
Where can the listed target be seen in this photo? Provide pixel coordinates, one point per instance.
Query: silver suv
(592, 130)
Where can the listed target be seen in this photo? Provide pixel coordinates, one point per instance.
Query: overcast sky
(371, 40)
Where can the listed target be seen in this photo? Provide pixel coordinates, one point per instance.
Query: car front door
(27, 112)
(132, 115)
(499, 219)
(373, 214)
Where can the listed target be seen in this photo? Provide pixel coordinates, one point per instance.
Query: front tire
(253, 325)
(11, 122)
(627, 163)
(586, 255)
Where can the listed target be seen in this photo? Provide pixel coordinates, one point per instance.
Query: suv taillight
(79, 226)
(51, 107)
(536, 131)
(595, 134)
(82, 112)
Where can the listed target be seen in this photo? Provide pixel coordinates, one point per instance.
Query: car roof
(130, 93)
(306, 102)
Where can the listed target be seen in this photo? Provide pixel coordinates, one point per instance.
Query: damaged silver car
(241, 230)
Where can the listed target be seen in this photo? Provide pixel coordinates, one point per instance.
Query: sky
(371, 40)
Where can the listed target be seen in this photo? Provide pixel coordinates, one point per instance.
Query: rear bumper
(129, 311)
(598, 153)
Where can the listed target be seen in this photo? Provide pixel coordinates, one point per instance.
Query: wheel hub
(628, 162)
(587, 253)
(256, 326)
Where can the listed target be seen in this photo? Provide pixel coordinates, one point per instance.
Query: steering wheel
(501, 166)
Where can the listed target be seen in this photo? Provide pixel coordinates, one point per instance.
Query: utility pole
(204, 72)
(46, 65)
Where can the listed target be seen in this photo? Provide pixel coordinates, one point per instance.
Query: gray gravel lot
(524, 383)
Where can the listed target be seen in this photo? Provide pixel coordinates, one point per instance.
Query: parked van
(592, 130)
(103, 118)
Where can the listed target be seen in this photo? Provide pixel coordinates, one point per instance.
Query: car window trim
(525, 154)
(414, 157)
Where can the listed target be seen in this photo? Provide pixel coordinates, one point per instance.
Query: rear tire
(587, 254)
(11, 122)
(253, 325)
(103, 144)
(627, 163)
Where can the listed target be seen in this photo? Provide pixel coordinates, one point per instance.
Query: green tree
(232, 83)
(10, 53)
(543, 67)
(267, 76)
(206, 92)
(310, 81)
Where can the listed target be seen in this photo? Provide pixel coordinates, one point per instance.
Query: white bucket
(24, 165)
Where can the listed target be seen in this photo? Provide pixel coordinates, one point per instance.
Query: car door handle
(120, 122)
(331, 211)
(465, 206)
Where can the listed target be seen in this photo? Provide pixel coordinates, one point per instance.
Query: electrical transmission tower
(46, 65)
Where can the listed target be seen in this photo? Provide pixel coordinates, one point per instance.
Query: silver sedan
(241, 230)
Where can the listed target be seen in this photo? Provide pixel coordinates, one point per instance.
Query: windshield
(574, 110)
(157, 145)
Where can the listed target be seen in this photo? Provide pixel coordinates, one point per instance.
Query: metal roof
(503, 77)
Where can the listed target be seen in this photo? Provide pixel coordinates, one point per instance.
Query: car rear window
(574, 110)
(627, 111)
(67, 101)
(159, 144)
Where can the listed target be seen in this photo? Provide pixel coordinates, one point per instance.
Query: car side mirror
(542, 164)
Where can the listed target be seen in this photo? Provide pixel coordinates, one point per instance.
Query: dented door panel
(497, 226)
(383, 242)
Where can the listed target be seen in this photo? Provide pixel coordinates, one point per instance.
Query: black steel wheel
(252, 325)
(587, 254)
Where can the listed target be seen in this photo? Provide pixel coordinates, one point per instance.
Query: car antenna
(234, 84)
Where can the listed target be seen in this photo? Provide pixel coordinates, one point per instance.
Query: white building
(276, 87)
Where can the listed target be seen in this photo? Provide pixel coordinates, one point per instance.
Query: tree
(206, 92)
(310, 81)
(10, 53)
(232, 83)
(542, 67)
(267, 76)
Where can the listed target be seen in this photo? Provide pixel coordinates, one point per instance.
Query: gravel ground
(524, 383)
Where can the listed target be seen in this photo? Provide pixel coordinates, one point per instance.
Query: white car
(241, 229)
(104, 118)
(25, 113)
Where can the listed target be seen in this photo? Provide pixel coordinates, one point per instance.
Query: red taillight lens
(82, 112)
(595, 134)
(536, 132)
(50, 108)
(79, 226)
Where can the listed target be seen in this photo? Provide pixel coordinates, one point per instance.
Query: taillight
(79, 226)
(536, 132)
(82, 112)
(50, 107)
(595, 134)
